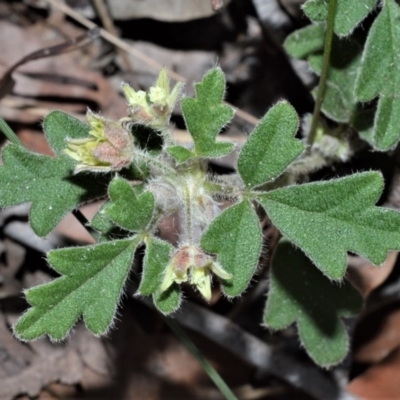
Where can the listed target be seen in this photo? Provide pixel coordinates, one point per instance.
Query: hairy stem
(324, 74)
(188, 214)
(154, 162)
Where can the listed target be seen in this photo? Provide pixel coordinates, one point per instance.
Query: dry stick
(108, 24)
(136, 53)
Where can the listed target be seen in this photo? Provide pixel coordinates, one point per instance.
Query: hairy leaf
(169, 301)
(127, 209)
(235, 236)
(106, 228)
(90, 286)
(271, 147)
(206, 115)
(340, 103)
(58, 126)
(300, 293)
(327, 219)
(48, 183)
(303, 42)
(101, 222)
(180, 153)
(157, 256)
(380, 75)
(349, 14)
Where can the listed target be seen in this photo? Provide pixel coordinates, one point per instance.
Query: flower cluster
(154, 108)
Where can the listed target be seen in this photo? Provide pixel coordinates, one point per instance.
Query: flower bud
(190, 262)
(108, 148)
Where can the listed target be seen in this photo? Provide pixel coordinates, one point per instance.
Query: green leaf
(340, 103)
(58, 126)
(349, 14)
(168, 301)
(91, 285)
(327, 219)
(129, 210)
(236, 237)
(106, 228)
(300, 293)
(303, 42)
(206, 115)
(271, 147)
(180, 153)
(156, 258)
(101, 222)
(380, 75)
(48, 183)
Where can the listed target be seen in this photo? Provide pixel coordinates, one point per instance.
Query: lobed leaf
(271, 147)
(300, 293)
(168, 301)
(127, 209)
(379, 75)
(101, 222)
(180, 153)
(156, 258)
(91, 285)
(205, 115)
(59, 126)
(340, 103)
(327, 219)
(305, 41)
(48, 183)
(236, 237)
(349, 14)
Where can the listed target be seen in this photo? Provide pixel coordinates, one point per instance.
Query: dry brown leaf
(31, 368)
(366, 276)
(380, 381)
(384, 339)
(51, 78)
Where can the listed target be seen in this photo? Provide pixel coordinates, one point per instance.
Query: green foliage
(205, 116)
(127, 210)
(46, 182)
(58, 126)
(91, 285)
(101, 223)
(349, 14)
(181, 154)
(340, 103)
(327, 219)
(300, 293)
(169, 301)
(158, 178)
(235, 236)
(305, 41)
(156, 259)
(271, 147)
(380, 75)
